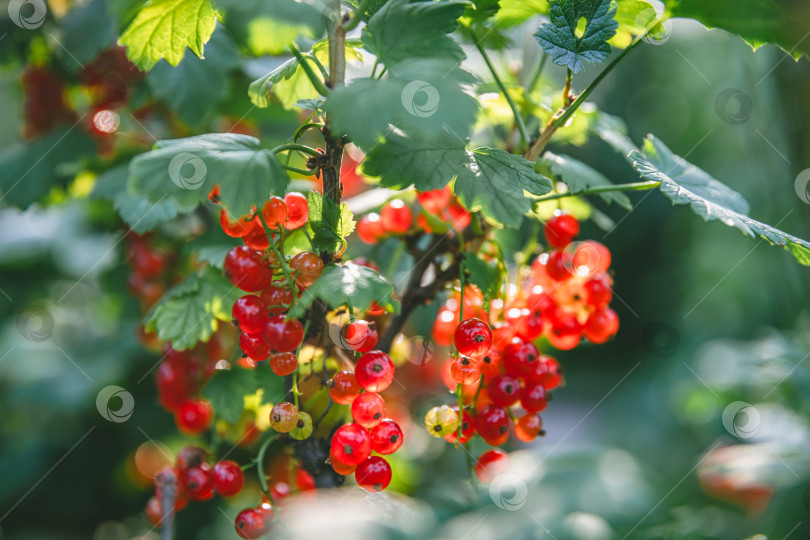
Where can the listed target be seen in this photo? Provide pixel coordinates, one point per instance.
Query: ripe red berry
(561, 229)
(504, 390)
(228, 478)
(153, 511)
(277, 297)
(370, 228)
(246, 269)
(361, 335)
(559, 265)
(436, 200)
(236, 227)
(597, 290)
(591, 257)
(396, 217)
(253, 523)
(343, 388)
(304, 480)
(491, 362)
(283, 363)
(386, 437)
(491, 464)
(256, 239)
(283, 335)
(533, 398)
(566, 331)
(473, 337)
(374, 371)
(250, 314)
(274, 212)
(307, 267)
(456, 215)
(373, 474)
(547, 372)
(528, 427)
(519, 358)
(198, 484)
(368, 409)
(492, 423)
(253, 346)
(194, 417)
(601, 325)
(467, 428)
(343, 469)
(297, 210)
(465, 370)
(444, 326)
(351, 444)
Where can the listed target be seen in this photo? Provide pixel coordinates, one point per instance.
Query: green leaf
(211, 248)
(756, 21)
(683, 183)
(494, 182)
(578, 177)
(86, 30)
(483, 275)
(164, 28)
(568, 47)
(421, 97)
(330, 223)
(185, 170)
(196, 86)
(189, 312)
(272, 385)
(403, 30)
(348, 283)
(480, 10)
(226, 390)
(634, 18)
(288, 82)
(516, 12)
(31, 169)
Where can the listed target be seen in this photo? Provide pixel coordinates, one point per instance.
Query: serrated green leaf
(494, 182)
(226, 390)
(403, 30)
(559, 37)
(189, 312)
(480, 10)
(211, 248)
(516, 12)
(86, 30)
(31, 169)
(330, 223)
(164, 28)
(684, 183)
(634, 18)
(272, 385)
(196, 86)
(290, 71)
(348, 283)
(185, 171)
(483, 275)
(421, 97)
(578, 177)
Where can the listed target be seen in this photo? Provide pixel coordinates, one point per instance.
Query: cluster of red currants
(45, 105)
(396, 218)
(180, 377)
(151, 269)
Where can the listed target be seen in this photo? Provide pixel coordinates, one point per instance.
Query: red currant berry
(386, 437)
(368, 409)
(566, 331)
(591, 258)
(253, 523)
(280, 490)
(491, 464)
(194, 417)
(153, 511)
(361, 336)
(492, 423)
(274, 212)
(456, 215)
(250, 314)
(277, 297)
(601, 325)
(283, 335)
(467, 428)
(253, 346)
(533, 398)
(307, 267)
(351, 444)
(559, 265)
(435, 201)
(297, 210)
(256, 239)
(228, 478)
(284, 417)
(304, 480)
(473, 337)
(547, 372)
(561, 229)
(191, 456)
(235, 227)
(504, 390)
(597, 290)
(283, 363)
(339, 467)
(370, 228)
(445, 325)
(491, 362)
(373, 474)
(465, 370)
(374, 371)
(198, 483)
(519, 358)
(343, 388)
(247, 269)
(528, 427)
(396, 217)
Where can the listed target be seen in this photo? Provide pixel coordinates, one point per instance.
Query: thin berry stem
(634, 186)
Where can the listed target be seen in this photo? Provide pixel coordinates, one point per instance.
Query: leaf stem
(304, 172)
(313, 78)
(358, 15)
(260, 464)
(298, 147)
(635, 186)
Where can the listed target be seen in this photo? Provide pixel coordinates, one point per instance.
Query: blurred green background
(636, 439)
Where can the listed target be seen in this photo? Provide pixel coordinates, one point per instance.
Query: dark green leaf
(211, 248)
(330, 223)
(226, 391)
(568, 47)
(481, 10)
(185, 170)
(189, 312)
(578, 177)
(683, 183)
(86, 30)
(483, 275)
(272, 385)
(348, 283)
(31, 169)
(196, 86)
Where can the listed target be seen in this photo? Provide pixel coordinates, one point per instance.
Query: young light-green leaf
(330, 223)
(164, 28)
(578, 176)
(569, 47)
